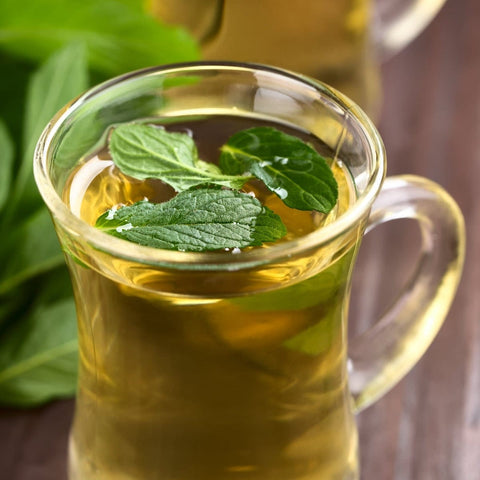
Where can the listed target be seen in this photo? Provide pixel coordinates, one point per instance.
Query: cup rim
(208, 260)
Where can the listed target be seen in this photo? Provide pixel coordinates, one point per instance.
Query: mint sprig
(201, 218)
(196, 220)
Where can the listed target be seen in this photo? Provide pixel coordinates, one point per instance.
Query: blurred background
(425, 102)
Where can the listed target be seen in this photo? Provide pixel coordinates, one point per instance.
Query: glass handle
(398, 22)
(382, 355)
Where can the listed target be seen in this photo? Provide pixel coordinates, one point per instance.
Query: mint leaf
(39, 356)
(36, 248)
(12, 92)
(292, 169)
(146, 151)
(196, 220)
(62, 77)
(6, 163)
(119, 35)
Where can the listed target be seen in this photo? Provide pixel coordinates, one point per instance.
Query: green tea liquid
(185, 376)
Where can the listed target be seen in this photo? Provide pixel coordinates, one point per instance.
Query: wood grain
(428, 426)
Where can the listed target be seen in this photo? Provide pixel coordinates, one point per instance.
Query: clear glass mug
(338, 42)
(217, 366)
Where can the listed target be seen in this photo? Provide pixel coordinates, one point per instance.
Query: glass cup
(218, 365)
(339, 42)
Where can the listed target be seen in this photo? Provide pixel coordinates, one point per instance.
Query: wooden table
(428, 427)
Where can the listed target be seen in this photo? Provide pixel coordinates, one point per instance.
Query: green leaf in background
(6, 163)
(29, 250)
(12, 92)
(12, 306)
(289, 167)
(196, 220)
(119, 35)
(38, 356)
(59, 80)
(146, 151)
(38, 352)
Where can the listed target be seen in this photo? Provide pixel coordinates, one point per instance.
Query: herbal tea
(212, 385)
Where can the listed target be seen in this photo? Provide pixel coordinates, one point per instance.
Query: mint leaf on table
(61, 78)
(196, 220)
(31, 234)
(12, 92)
(38, 352)
(36, 248)
(146, 151)
(38, 356)
(6, 163)
(38, 345)
(289, 167)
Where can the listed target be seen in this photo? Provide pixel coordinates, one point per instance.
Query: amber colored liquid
(185, 376)
(328, 40)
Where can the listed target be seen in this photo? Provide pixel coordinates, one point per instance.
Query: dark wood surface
(428, 426)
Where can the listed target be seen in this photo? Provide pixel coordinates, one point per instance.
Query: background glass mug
(339, 42)
(217, 366)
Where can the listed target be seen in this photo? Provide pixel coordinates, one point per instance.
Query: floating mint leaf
(146, 151)
(292, 169)
(196, 220)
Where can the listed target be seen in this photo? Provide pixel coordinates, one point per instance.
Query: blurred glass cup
(340, 42)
